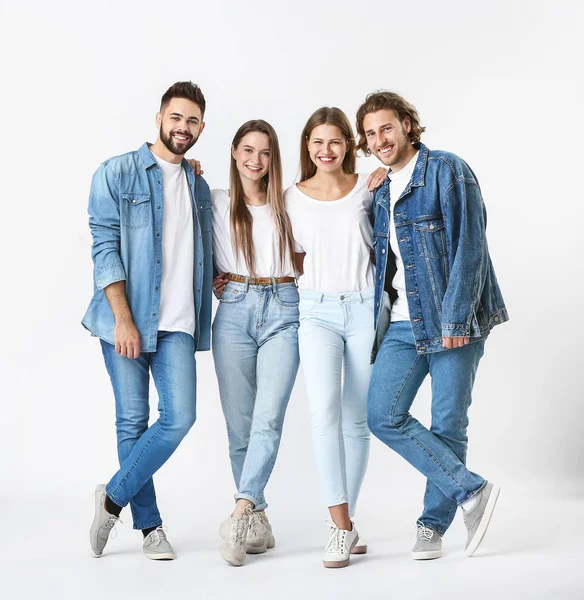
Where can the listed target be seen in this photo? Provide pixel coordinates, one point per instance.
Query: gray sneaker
(428, 544)
(103, 523)
(234, 533)
(157, 547)
(477, 520)
(259, 534)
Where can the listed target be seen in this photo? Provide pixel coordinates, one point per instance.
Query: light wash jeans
(142, 450)
(335, 339)
(438, 453)
(255, 349)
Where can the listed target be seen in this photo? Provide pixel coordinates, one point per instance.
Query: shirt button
(157, 235)
(158, 207)
(99, 281)
(380, 278)
(431, 225)
(200, 264)
(153, 314)
(383, 251)
(133, 201)
(156, 288)
(157, 262)
(378, 304)
(342, 297)
(159, 181)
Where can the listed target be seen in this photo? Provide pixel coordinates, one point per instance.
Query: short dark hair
(184, 89)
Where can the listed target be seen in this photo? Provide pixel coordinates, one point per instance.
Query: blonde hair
(241, 219)
(327, 116)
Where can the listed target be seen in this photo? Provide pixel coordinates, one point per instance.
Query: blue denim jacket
(126, 208)
(440, 222)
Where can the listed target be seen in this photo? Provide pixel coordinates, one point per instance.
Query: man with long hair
(150, 220)
(436, 300)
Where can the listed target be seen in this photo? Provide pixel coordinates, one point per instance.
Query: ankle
(241, 507)
(111, 507)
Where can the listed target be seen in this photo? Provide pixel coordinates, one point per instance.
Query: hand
(376, 178)
(455, 342)
(196, 165)
(219, 284)
(127, 339)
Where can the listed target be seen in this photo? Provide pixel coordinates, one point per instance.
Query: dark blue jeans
(142, 450)
(438, 453)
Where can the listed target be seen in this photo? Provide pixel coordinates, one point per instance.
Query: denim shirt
(126, 209)
(440, 222)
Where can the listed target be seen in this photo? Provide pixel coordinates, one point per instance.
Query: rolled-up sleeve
(104, 223)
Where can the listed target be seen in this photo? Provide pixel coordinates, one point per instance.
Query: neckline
(350, 193)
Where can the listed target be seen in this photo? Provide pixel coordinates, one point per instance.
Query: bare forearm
(126, 334)
(116, 296)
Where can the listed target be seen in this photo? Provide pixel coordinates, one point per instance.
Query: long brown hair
(241, 219)
(384, 100)
(327, 116)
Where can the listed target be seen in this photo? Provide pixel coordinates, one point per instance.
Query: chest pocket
(135, 210)
(431, 238)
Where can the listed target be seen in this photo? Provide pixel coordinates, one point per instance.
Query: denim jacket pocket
(431, 238)
(135, 210)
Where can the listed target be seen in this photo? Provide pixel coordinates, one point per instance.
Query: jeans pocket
(232, 294)
(287, 295)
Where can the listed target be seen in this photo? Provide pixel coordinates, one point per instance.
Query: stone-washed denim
(440, 222)
(126, 209)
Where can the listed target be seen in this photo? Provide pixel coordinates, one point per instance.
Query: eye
(266, 153)
(369, 134)
(388, 128)
(174, 118)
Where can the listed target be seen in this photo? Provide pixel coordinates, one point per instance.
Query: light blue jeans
(255, 349)
(335, 339)
(142, 450)
(440, 452)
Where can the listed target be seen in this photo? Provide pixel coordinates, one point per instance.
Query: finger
(137, 349)
(446, 342)
(118, 347)
(465, 341)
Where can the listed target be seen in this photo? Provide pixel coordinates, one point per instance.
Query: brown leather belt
(260, 280)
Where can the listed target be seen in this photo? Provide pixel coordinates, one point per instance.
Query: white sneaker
(361, 546)
(259, 534)
(234, 533)
(156, 546)
(339, 546)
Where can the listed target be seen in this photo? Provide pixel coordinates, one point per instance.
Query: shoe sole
(339, 564)
(256, 549)
(166, 556)
(97, 495)
(360, 549)
(230, 559)
(428, 555)
(484, 524)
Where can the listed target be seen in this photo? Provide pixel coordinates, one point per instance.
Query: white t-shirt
(397, 184)
(264, 238)
(337, 238)
(177, 301)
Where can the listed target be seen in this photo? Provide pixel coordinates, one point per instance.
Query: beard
(174, 146)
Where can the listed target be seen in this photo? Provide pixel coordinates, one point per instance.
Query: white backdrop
(498, 83)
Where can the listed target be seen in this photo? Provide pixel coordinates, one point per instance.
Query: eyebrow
(317, 139)
(177, 114)
(252, 148)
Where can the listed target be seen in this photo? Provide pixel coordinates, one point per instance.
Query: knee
(383, 425)
(183, 423)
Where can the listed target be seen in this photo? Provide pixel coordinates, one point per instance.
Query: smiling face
(252, 156)
(387, 138)
(327, 147)
(180, 124)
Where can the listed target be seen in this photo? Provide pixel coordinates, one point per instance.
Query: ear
(233, 152)
(158, 120)
(202, 127)
(407, 124)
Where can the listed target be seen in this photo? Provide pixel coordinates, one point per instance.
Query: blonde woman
(331, 214)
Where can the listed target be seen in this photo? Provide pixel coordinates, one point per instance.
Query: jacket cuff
(455, 330)
(108, 275)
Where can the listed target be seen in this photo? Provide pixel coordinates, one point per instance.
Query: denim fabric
(335, 336)
(126, 209)
(440, 222)
(438, 453)
(255, 349)
(142, 450)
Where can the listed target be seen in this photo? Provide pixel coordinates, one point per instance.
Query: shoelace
(111, 525)
(425, 533)
(239, 527)
(256, 525)
(336, 542)
(158, 535)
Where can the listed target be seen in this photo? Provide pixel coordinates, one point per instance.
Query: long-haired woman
(255, 331)
(330, 210)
